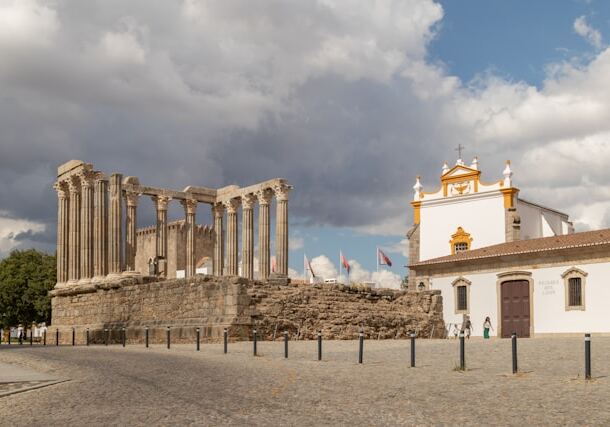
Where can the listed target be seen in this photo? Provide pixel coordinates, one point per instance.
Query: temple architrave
(97, 235)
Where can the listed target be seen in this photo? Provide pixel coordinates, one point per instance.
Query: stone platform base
(214, 303)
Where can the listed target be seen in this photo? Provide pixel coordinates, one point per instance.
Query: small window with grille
(460, 247)
(575, 292)
(462, 298)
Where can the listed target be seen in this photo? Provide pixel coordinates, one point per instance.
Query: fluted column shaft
(131, 222)
(74, 231)
(281, 232)
(232, 237)
(115, 226)
(247, 242)
(190, 209)
(161, 203)
(63, 209)
(100, 227)
(218, 212)
(264, 232)
(86, 227)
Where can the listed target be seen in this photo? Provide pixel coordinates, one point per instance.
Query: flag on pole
(345, 263)
(383, 258)
(308, 264)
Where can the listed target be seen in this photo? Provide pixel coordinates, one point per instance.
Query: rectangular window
(462, 298)
(575, 289)
(460, 247)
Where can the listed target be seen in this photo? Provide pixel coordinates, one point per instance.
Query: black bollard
(87, 337)
(319, 345)
(286, 344)
(168, 338)
(462, 355)
(44, 337)
(514, 342)
(254, 340)
(226, 340)
(588, 356)
(360, 346)
(106, 336)
(146, 336)
(413, 349)
(56, 337)
(123, 336)
(197, 339)
(31, 337)
(9, 336)
(73, 337)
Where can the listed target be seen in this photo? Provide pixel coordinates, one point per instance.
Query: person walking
(486, 327)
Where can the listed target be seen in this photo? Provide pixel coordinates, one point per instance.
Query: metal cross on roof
(459, 149)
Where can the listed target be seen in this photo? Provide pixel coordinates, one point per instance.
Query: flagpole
(304, 267)
(377, 259)
(340, 270)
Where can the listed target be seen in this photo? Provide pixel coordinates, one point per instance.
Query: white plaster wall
(482, 301)
(550, 315)
(539, 222)
(482, 217)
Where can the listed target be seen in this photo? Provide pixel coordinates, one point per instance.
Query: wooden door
(515, 308)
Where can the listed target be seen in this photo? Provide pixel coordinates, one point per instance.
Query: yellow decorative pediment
(460, 237)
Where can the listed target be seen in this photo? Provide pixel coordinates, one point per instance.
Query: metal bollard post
(146, 337)
(462, 355)
(168, 338)
(73, 337)
(514, 342)
(254, 340)
(106, 336)
(9, 336)
(87, 337)
(360, 346)
(56, 337)
(44, 338)
(286, 344)
(31, 337)
(123, 338)
(226, 340)
(413, 349)
(197, 339)
(588, 356)
(319, 345)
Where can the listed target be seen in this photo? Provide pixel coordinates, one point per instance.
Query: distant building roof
(543, 244)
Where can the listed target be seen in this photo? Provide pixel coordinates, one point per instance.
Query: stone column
(100, 227)
(264, 198)
(74, 231)
(115, 227)
(247, 242)
(86, 227)
(232, 237)
(281, 229)
(131, 223)
(161, 203)
(190, 209)
(63, 209)
(218, 211)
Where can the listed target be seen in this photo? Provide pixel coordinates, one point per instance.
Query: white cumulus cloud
(583, 29)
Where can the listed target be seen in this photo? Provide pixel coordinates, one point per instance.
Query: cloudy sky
(347, 99)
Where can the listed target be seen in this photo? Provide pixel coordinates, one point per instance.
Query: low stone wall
(213, 304)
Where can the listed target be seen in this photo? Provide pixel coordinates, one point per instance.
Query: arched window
(574, 281)
(461, 295)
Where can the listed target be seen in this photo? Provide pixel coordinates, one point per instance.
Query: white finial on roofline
(475, 163)
(417, 188)
(508, 173)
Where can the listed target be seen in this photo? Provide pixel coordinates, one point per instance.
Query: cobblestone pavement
(134, 386)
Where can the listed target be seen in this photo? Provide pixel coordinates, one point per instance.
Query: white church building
(491, 253)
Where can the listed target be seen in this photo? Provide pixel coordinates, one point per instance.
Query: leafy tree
(26, 277)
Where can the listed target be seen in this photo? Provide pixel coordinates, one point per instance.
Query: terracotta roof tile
(574, 240)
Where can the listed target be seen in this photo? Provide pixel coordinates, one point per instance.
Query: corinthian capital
(161, 202)
(132, 198)
(190, 206)
(62, 189)
(232, 205)
(74, 184)
(248, 201)
(218, 210)
(282, 191)
(264, 196)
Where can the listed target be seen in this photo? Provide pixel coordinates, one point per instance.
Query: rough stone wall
(176, 246)
(340, 311)
(213, 304)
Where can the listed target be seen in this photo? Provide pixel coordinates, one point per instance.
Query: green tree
(26, 277)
